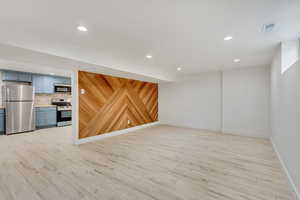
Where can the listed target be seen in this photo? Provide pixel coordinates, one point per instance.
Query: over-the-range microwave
(62, 88)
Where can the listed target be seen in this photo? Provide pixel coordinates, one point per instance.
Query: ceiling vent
(267, 28)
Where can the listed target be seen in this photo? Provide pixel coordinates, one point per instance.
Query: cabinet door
(10, 76)
(43, 84)
(37, 119)
(24, 77)
(49, 84)
(62, 80)
(38, 83)
(41, 119)
(2, 123)
(51, 118)
(66, 81)
(45, 117)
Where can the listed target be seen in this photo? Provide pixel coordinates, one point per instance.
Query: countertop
(38, 106)
(45, 105)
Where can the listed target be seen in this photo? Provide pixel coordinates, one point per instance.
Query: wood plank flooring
(157, 163)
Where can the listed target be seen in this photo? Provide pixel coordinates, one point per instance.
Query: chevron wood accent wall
(111, 103)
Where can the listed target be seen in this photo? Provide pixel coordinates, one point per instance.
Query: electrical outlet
(128, 122)
(82, 91)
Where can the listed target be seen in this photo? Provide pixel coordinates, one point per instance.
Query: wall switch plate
(128, 122)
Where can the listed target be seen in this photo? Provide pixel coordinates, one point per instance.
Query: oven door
(64, 117)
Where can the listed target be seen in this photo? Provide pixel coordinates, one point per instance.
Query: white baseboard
(248, 133)
(291, 182)
(114, 133)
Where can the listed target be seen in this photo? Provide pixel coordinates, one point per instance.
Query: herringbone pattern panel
(111, 103)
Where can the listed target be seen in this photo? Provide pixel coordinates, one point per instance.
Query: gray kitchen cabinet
(38, 83)
(2, 121)
(45, 117)
(24, 77)
(49, 84)
(9, 76)
(45, 84)
(16, 76)
(63, 80)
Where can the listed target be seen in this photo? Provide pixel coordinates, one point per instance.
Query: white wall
(290, 53)
(235, 101)
(194, 103)
(246, 101)
(285, 111)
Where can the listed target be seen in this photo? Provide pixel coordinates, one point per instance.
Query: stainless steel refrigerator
(18, 102)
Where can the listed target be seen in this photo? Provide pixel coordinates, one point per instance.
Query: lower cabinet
(45, 117)
(2, 121)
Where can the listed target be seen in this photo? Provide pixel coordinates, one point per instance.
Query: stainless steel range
(64, 111)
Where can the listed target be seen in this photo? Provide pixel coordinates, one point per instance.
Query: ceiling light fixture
(149, 56)
(228, 38)
(82, 28)
(52, 73)
(236, 60)
(179, 68)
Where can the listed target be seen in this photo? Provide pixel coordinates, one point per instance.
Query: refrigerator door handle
(7, 93)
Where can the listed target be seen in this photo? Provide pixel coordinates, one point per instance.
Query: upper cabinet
(63, 80)
(16, 76)
(45, 84)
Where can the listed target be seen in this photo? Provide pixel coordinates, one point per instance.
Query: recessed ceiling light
(228, 38)
(149, 56)
(82, 28)
(236, 60)
(179, 68)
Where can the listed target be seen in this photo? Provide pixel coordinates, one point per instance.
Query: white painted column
(75, 107)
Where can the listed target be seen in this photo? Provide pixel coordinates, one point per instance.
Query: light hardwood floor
(160, 162)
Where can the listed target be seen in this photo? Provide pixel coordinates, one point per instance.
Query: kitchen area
(31, 101)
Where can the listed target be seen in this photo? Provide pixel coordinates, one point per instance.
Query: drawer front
(45, 109)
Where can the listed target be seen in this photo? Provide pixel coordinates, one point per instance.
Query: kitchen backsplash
(45, 99)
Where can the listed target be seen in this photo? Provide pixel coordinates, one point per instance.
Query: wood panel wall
(111, 103)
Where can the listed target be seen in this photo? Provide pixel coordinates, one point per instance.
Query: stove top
(61, 102)
(64, 108)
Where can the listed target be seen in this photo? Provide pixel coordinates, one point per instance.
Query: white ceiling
(186, 33)
(21, 59)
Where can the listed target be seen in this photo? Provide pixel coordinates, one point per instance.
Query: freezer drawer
(20, 117)
(18, 93)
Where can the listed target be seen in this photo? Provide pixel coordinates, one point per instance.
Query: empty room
(150, 100)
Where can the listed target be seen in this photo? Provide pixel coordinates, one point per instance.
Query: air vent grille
(268, 27)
